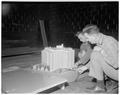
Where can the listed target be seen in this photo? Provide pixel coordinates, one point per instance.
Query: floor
(80, 87)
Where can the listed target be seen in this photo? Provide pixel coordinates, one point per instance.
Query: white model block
(56, 58)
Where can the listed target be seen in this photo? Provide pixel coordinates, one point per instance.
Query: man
(84, 56)
(104, 57)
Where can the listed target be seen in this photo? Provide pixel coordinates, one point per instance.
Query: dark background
(20, 22)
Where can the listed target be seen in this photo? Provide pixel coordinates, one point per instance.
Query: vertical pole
(44, 38)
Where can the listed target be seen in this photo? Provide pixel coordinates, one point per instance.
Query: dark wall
(72, 17)
(20, 27)
(62, 21)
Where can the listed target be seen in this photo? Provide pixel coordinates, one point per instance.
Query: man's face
(82, 38)
(91, 38)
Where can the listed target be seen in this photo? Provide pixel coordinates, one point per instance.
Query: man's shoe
(97, 90)
(91, 88)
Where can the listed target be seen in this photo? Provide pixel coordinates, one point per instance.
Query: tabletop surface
(27, 81)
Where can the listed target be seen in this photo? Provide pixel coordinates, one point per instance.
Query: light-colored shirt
(108, 46)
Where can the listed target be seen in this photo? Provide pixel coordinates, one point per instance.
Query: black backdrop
(20, 26)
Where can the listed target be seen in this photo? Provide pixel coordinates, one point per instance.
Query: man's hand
(78, 63)
(82, 69)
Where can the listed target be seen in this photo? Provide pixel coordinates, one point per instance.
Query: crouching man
(104, 57)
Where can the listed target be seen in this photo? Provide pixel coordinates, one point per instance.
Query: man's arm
(85, 58)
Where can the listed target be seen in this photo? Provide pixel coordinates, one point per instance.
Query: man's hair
(90, 29)
(78, 32)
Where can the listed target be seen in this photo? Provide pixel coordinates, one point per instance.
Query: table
(27, 81)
